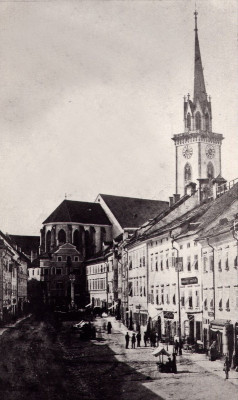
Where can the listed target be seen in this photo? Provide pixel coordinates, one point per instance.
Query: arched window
(48, 241)
(210, 170)
(198, 120)
(206, 122)
(187, 173)
(76, 239)
(53, 236)
(87, 244)
(61, 237)
(189, 121)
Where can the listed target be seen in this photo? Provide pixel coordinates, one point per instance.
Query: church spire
(199, 83)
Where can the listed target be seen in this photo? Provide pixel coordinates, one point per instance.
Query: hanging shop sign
(189, 281)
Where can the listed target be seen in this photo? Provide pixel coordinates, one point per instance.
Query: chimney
(176, 197)
(171, 201)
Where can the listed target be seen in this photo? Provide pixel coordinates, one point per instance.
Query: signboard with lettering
(168, 314)
(189, 281)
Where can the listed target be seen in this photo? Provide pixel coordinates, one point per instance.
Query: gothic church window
(61, 237)
(187, 173)
(48, 241)
(207, 122)
(76, 239)
(198, 120)
(189, 121)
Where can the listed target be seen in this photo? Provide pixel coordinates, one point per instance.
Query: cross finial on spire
(195, 14)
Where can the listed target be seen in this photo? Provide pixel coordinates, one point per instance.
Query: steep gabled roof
(79, 212)
(132, 212)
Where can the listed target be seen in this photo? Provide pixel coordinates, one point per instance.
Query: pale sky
(91, 93)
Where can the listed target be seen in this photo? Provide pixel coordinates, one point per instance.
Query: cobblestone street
(42, 361)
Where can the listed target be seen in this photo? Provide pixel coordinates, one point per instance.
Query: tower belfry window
(189, 121)
(187, 173)
(210, 170)
(198, 120)
(207, 122)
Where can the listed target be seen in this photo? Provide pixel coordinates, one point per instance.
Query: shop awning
(220, 322)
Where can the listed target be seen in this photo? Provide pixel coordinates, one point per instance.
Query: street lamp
(139, 308)
(72, 280)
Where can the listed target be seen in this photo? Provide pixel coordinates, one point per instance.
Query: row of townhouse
(99, 276)
(13, 280)
(179, 273)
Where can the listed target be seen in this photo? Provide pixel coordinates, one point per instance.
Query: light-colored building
(220, 281)
(99, 276)
(13, 280)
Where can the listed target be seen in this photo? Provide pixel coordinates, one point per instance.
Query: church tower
(198, 148)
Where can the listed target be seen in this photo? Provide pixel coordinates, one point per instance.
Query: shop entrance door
(191, 330)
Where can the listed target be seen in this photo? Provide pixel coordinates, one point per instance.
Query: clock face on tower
(187, 151)
(210, 151)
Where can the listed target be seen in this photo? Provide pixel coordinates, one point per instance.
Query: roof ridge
(134, 198)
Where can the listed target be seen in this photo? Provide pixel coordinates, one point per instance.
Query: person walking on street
(127, 340)
(174, 365)
(133, 341)
(109, 327)
(180, 346)
(226, 367)
(176, 347)
(145, 338)
(138, 337)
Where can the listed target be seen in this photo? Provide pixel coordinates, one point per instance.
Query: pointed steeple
(199, 83)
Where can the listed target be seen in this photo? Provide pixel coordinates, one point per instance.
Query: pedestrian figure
(127, 340)
(156, 339)
(174, 365)
(109, 327)
(133, 341)
(176, 347)
(145, 338)
(152, 339)
(180, 346)
(169, 365)
(226, 367)
(138, 337)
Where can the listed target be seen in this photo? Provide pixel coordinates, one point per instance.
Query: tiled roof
(132, 212)
(26, 243)
(203, 215)
(218, 206)
(79, 212)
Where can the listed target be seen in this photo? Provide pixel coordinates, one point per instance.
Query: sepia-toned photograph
(119, 200)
